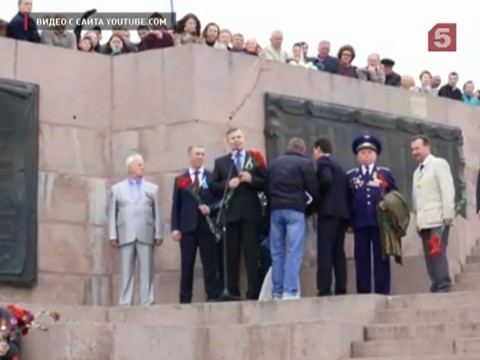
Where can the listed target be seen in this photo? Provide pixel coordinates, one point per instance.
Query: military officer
(368, 183)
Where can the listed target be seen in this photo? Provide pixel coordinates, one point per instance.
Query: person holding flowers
(434, 210)
(368, 184)
(16, 322)
(242, 171)
(192, 225)
(9, 338)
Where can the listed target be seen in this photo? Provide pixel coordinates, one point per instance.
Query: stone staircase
(424, 327)
(428, 326)
(469, 279)
(361, 327)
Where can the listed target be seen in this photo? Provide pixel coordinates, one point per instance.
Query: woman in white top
(297, 58)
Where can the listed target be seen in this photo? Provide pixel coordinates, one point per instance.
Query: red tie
(196, 181)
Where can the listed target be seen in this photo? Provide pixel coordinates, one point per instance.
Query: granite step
(133, 341)
(434, 301)
(422, 357)
(427, 331)
(396, 348)
(473, 259)
(470, 267)
(468, 277)
(430, 316)
(403, 348)
(467, 285)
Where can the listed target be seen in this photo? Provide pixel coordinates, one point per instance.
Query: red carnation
(435, 245)
(20, 314)
(383, 182)
(184, 182)
(258, 158)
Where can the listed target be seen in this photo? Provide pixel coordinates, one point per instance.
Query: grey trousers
(437, 267)
(128, 256)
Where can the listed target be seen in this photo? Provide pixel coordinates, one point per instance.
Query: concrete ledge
(355, 309)
(285, 341)
(360, 309)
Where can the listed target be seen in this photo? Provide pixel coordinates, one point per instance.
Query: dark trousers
(437, 267)
(366, 240)
(265, 261)
(331, 255)
(190, 242)
(243, 235)
(220, 266)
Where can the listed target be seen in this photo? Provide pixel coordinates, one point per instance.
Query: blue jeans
(287, 237)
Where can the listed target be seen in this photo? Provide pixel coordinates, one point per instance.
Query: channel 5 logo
(442, 37)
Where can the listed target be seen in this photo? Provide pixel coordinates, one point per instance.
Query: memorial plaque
(287, 117)
(19, 133)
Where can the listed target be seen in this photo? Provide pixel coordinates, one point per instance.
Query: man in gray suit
(434, 208)
(135, 227)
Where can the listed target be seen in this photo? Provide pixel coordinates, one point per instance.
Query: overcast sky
(396, 30)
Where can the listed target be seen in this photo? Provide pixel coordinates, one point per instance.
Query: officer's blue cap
(366, 141)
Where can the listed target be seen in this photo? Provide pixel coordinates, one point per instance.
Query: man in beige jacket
(434, 208)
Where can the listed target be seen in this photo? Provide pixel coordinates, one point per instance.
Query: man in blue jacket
(368, 184)
(23, 26)
(10, 347)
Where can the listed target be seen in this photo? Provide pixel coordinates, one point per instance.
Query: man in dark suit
(10, 347)
(333, 216)
(17, 29)
(190, 228)
(391, 77)
(243, 213)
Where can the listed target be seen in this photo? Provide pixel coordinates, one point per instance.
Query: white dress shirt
(367, 169)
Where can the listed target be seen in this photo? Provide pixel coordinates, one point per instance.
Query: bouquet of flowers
(185, 183)
(435, 244)
(23, 320)
(255, 159)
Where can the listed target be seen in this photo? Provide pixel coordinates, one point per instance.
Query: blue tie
(136, 189)
(238, 161)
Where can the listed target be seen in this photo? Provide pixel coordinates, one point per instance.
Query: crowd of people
(188, 30)
(245, 206)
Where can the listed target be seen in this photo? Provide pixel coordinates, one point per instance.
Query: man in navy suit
(243, 215)
(332, 215)
(366, 182)
(190, 228)
(17, 29)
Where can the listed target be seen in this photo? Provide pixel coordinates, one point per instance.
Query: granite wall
(96, 110)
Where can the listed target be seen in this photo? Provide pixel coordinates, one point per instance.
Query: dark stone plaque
(19, 133)
(287, 117)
